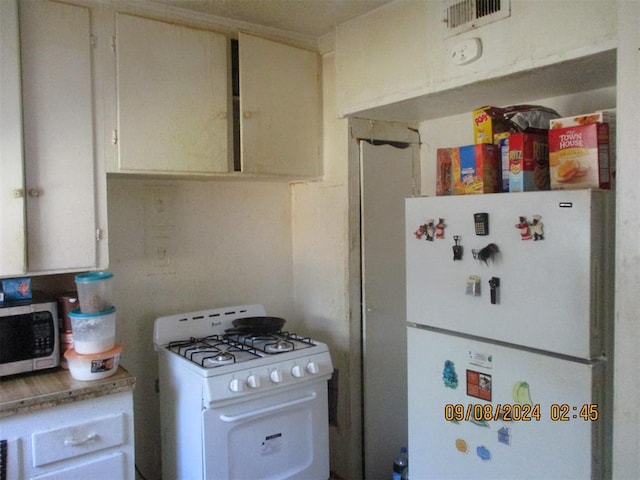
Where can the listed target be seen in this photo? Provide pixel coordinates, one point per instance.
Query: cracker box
(579, 157)
(601, 116)
(485, 128)
(476, 169)
(528, 162)
(444, 166)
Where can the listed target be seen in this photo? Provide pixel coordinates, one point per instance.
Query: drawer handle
(72, 442)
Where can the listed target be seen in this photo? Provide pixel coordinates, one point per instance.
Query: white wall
(320, 258)
(399, 52)
(230, 243)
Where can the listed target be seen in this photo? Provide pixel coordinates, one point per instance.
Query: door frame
(375, 131)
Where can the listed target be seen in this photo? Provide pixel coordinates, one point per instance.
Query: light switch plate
(466, 51)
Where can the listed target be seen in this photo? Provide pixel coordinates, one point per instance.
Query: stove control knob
(253, 381)
(297, 371)
(235, 385)
(312, 367)
(276, 376)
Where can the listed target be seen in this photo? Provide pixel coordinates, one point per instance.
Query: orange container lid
(71, 353)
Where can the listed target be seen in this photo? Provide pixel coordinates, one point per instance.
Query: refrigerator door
(479, 410)
(554, 287)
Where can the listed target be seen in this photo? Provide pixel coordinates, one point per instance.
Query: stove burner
(279, 346)
(222, 358)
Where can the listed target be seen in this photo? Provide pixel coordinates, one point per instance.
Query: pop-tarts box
(477, 169)
(486, 128)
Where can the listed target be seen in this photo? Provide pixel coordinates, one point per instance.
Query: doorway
(389, 173)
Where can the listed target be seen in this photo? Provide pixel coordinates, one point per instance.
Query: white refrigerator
(510, 318)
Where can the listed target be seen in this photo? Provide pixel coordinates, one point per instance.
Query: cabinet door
(172, 86)
(279, 104)
(58, 136)
(12, 230)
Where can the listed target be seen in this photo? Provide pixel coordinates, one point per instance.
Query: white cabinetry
(174, 105)
(85, 439)
(280, 109)
(172, 89)
(12, 205)
(64, 185)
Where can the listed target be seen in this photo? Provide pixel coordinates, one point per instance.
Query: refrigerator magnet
(457, 248)
(504, 436)
(449, 375)
(523, 227)
(461, 445)
(426, 231)
(537, 228)
(440, 228)
(484, 453)
(487, 253)
(479, 385)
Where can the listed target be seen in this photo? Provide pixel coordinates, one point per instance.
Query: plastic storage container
(95, 291)
(95, 366)
(93, 332)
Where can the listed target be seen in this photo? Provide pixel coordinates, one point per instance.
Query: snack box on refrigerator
(486, 128)
(601, 116)
(579, 157)
(477, 169)
(528, 162)
(502, 140)
(444, 168)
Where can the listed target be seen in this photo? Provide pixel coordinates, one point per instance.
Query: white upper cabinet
(279, 109)
(65, 215)
(12, 203)
(172, 98)
(399, 57)
(175, 105)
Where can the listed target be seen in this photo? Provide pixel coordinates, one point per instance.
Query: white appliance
(238, 406)
(508, 342)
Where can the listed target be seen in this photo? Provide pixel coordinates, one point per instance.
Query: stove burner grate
(275, 343)
(212, 351)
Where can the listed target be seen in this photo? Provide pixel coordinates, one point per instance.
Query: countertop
(44, 389)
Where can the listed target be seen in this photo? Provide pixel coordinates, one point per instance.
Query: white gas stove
(241, 405)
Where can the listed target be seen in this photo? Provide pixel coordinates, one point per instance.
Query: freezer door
(555, 288)
(485, 411)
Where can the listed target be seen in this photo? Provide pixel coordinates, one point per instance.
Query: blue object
(93, 277)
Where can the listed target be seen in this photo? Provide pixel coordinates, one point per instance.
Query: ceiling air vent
(463, 15)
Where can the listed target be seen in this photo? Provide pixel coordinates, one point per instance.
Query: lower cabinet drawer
(77, 439)
(109, 467)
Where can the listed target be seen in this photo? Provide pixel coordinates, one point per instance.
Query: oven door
(281, 436)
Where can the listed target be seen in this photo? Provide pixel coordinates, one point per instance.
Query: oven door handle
(271, 409)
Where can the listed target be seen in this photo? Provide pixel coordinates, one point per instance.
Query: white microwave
(29, 338)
